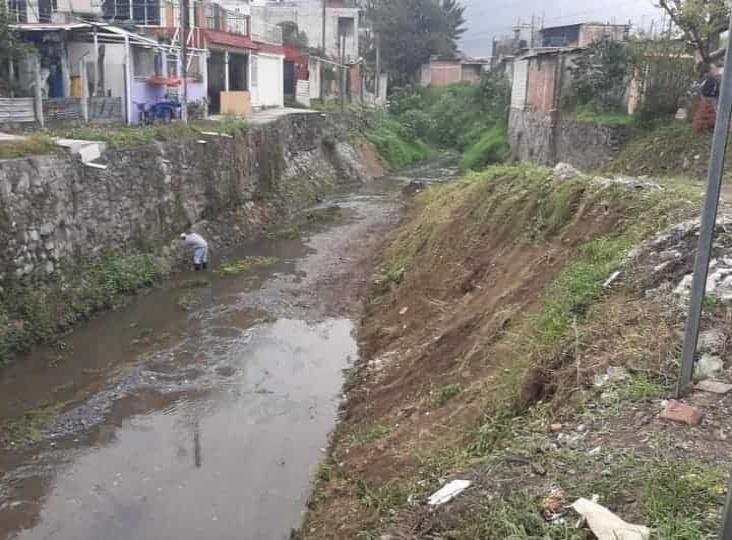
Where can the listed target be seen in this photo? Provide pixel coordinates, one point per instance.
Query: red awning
(231, 40)
(269, 48)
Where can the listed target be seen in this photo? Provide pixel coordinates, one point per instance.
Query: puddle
(228, 466)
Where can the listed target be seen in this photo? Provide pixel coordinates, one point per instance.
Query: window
(255, 68)
(146, 62)
(145, 12)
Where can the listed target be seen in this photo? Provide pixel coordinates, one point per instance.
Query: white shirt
(195, 241)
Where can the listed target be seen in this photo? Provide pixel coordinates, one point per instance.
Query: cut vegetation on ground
(495, 350)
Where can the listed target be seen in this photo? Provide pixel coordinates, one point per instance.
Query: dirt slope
(487, 323)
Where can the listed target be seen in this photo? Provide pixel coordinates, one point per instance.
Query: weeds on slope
(31, 314)
(518, 371)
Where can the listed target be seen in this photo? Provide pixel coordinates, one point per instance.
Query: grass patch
(246, 265)
(32, 313)
(492, 147)
(666, 150)
(32, 145)
(642, 388)
(579, 285)
(515, 516)
(323, 215)
(29, 428)
(677, 498)
(604, 118)
(188, 301)
(231, 125)
(198, 283)
(127, 136)
(393, 144)
(362, 438)
(446, 393)
(384, 501)
(286, 233)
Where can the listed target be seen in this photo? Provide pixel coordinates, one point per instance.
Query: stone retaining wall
(55, 210)
(547, 139)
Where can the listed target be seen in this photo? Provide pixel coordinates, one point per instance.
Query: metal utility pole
(185, 23)
(322, 64)
(343, 71)
(706, 231)
(377, 90)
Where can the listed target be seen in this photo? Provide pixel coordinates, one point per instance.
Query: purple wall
(142, 92)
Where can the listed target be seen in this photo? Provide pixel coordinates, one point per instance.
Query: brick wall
(542, 83)
(446, 73)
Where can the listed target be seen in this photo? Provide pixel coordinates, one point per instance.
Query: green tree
(409, 32)
(701, 22)
(601, 73)
(11, 49)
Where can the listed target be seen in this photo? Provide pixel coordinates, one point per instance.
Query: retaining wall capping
(548, 139)
(55, 211)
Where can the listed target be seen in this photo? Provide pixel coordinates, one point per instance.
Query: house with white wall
(341, 24)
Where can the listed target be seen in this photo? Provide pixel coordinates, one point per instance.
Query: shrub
(492, 147)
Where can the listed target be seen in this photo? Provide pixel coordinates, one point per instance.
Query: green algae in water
(246, 265)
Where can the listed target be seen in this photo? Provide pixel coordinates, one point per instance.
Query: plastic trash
(448, 492)
(606, 525)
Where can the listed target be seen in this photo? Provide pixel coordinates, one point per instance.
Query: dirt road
(201, 409)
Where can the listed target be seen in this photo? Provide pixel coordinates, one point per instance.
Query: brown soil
(369, 157)
(445, 324)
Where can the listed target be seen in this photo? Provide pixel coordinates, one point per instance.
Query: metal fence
(106, 109)
(17, 110)
(61, 110)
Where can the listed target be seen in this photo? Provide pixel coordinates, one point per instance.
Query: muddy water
(200, 409)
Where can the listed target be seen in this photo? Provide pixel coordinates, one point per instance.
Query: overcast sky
(494, 18)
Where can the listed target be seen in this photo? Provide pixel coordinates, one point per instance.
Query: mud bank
(64, 225)
(494, 350)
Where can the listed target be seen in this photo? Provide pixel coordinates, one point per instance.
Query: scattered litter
(676, 411)
(719, 282)
(553, 506)
(611, 279)
(216, 134)
(448, 492)
(571, 441)
(606, 525)
(711, 341)
(403, 311)
(582, 521)
(708, 367)
(714, 387)
(595, 451)
(201, 141)
(554, 428)
(96, 166)
(613, 375)
(565, 171)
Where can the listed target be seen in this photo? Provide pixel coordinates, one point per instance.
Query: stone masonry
(546, 139)
(54, 210)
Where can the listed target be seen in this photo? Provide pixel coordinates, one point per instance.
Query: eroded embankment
(75, 239)
(496, 349)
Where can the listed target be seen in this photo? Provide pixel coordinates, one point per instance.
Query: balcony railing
(223, 20)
